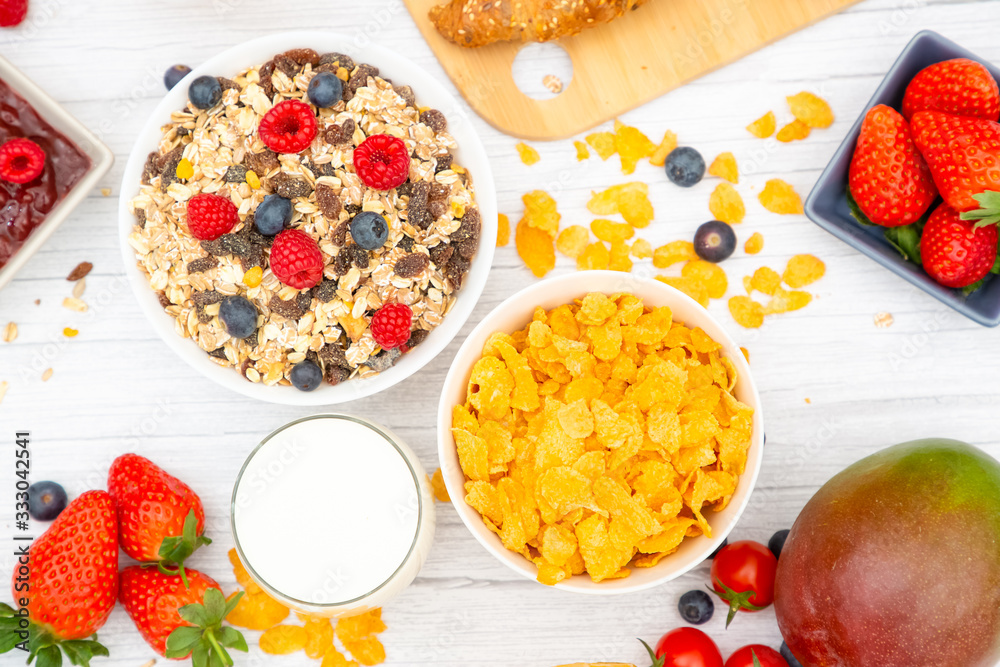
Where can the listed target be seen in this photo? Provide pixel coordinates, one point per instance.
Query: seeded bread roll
(474, 23)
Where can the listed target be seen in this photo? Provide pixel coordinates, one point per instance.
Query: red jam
(24, 206)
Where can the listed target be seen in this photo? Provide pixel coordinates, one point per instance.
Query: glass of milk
(332, 515)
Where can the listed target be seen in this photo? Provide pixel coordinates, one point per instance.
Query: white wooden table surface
(835, 387)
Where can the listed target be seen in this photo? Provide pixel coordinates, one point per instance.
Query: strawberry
(889, 179)
(961, 87)
(70, 586)
(963, 155)
(160, 519)
(956, 252)
(179, 618)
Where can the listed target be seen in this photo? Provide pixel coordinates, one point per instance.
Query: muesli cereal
(339, 236)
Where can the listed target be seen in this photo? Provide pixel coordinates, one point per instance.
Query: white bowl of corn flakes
(600, 424)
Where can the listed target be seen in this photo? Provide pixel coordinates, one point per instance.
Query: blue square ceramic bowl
(827, 203)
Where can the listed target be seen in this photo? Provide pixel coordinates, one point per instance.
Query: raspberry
(210, 216)
(12, 12)
(382, 162)
(391, 325)
(296, 259)
(21, 161)
(289, 127)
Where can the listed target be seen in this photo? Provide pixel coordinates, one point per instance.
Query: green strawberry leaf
(200, 655)
(195, 614)
(176, 549)
(182, 641)
(988, 212)
(232, 638)
(996, 265)
(215, 605)
(206, 639)
(231, 604)
(906, 240)
(6, 611)
(856, 211)
(50, 656)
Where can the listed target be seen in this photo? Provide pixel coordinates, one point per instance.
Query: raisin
(416, 208)
(202, 264)
(203, 317)
(337, 59)
(339, 234)
(247, 363)
(406, 243)
(439, 191)
(441, 254)
(304, 300)
(417, 336)
(342, 262)
(219, 353)
(183, 131)
(207, 298)
(352, 208)
(290, 188)
(359, 256)
(467, 248)
(287, 65)
(140, 217)
(168, 167)
(149, 170)
(288, 309)
(226, 83)
(214, 248)
(384, 360)
(405, 189)
(434, 119)
(335, 374)
(359, 79)
(303, 56)
(332, 354)
(340, 134)
(253, 257)
(407, 94)
(266, 70)
(236, 244)
(470, 228)
(162, 298)
(263, 162)
(329, 202)
(325, 291)
(236, 174)
(252, 340)
(437, 208)
(456, 270)
(444, 162)
(411, 264)
(81, 270)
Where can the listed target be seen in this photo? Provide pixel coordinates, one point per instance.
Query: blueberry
(272, 215)
(46, 500)
(696, 607)
(369, 230)
(306, 376)
(685, 166)
(714, 241)
(777, 542)
(239, 316)
(205, 92)
(173, 75)
(721, 547)
(789, 657)
(325, 89)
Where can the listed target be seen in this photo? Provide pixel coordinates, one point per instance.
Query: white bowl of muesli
(306, 300)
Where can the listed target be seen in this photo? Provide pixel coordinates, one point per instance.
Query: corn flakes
(595, 257)
(631, 200)
(540, 211)
(618, 257)
(794, 131)
(763, 127)
(283, 639)
(780, 197)
(803, 270)
(631, 146)
(535, 247)
(439, 488)
(582, 152)
(765, 280)
(747, 312)
(754, 244)
(528, 155)
(689, 286)
(572, 240)
(603, 143)
(785, 301)
(319, 636)
(334, 658)
(708, 274)
(611, 231)
(724, 166)
(642, 249)
(672, 253)
(503, 230)
(659, 156)
(811, 110)
(257, 612)
(726, 204)
(242, 576)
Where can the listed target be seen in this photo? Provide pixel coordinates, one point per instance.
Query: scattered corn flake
(595, 257)
(367, 651)
(334, 658)
(631, 200)
(693, 288)
(883, 320)
(765, 280)
(572, 240)
(257, 612)
(803, 270)
(253, 180)
(529, 155)
(553, 83)
(319, 636)
(10, 332)
(780, 197)
(185, 169)
(70, 332)
(746, 353)
(360, 626)
(812, 110)
(535, 248)
(540, 211)
(438, 485)
(106, 192)
(503, 230)
(794, 131)
(611, 231)
(763, 127)
(659, 156)
(747, 312)
(79, 287)
(785, 301)
(242, 576)
(724, 166)
(46, 374)
(642, 249)
(582, 152)
(74, 304)
(283, 639)
(253, 277)
(673, 252)
(603, 143)
(708, 274)
(808, 401)
(726, 204)
(631, 146)
(619, 259)
(754, 244)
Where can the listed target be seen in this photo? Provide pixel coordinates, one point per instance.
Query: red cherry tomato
(743, 576)
(686, 647)
(766, 657)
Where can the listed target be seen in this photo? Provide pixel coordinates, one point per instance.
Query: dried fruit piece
(803, 270)
(763, 127)
(708, 274)
(283, 639)
(692, 288)
(582, 152)
(642, 249)
(79, 271)
(69, 332)
(673, 252)
(503, 230)
(595, 257)
(785, 301)
(747, 312)
(540, 212)
(253, 277)
(765, 280)
(535, 248)
(810, 109)
(780, 197)
(659, 156)
(10, 332)
(619, 259)
(724, 166)
(794, 131)
(528, 155)
(754, 244)
(603, 143)
(631, 146)
(611, 231)
(726, 204)
(573, 240)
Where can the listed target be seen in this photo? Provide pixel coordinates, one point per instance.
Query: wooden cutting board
(620, 65)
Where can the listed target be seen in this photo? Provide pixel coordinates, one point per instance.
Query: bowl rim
(565, 287)
(898, 266)
(472, 154)
(101, 159)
